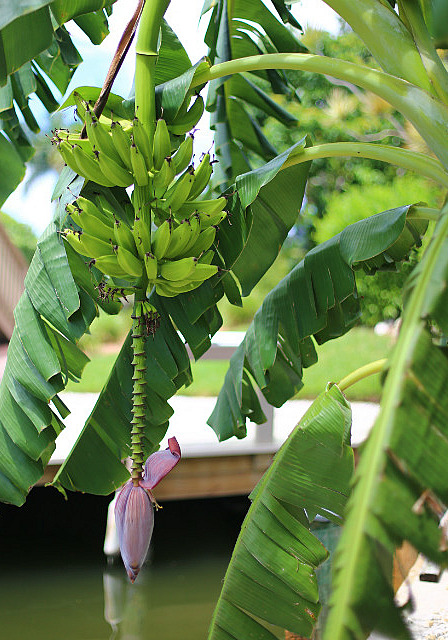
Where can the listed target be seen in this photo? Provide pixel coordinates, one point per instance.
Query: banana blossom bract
(134, 512)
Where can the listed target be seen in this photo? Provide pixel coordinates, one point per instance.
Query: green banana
(72, 237)
(129, 263)
(202, 272)
(141, 231)
(204, 206)
(81, 105)
(114, 171)
(180, 238)
(195, 230)
(124, 236)
(209, 219)
(92, 225)
(204, 241)
(185, 122)
(178, 192)
(138, 166)
(141, 140)
(162, 179)
(162, 144)
(183, 156)
(89, 167)
(161, 239)
(90, 209)
(66, 151)
(177, 269)
(94, 247)
(109, 266)
(100, 137)
(122, 144)
(151, 266)
(207, 257)
(172, 289)
(202, 175)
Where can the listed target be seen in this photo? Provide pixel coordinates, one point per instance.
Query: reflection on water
(56, 585)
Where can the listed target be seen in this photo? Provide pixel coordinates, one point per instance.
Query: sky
(33, 205)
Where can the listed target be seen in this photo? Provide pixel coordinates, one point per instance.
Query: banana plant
(178, 251)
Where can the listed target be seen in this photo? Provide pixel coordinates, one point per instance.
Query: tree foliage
(399, 490)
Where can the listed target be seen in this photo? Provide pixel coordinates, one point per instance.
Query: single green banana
(129, 263)
(81, 106)
(185, 122)
(72, 237)
(161, 239)
(209, 219)
(100, 137)
(202, 272)
(90, 168)
(66, 151)
(141, 139)
(109, 266)
(183, 156)
(180, 238)
(141, 231)
(205, 206)
(94, 247)
(178, 192)
(207, 257)
(151, 266)
(92, 225)
(138, 167)
(162, 179)
(162, 144)
(124, 236)
(114, 171)
(89, 208)
(202, 175)
(177, 269)
(122, 143)
(204, 241)
(195, 230)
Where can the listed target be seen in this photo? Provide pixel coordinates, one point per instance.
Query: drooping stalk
(411, 160)
(138, 392)
(146, 56)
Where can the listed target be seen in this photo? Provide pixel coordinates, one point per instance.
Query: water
(56, 585)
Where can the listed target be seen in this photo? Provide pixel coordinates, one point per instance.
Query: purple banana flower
(134, 513)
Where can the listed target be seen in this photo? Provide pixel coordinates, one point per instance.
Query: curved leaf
(317, 298)
(238, 29)
(401, 483)
(271, 576)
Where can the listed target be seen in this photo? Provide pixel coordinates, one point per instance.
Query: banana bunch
(166, 238)
(175, 257)
(119, 153)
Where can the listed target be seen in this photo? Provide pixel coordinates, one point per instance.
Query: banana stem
(138, 393)
(146, 50)
(411, 160)
(363, 372)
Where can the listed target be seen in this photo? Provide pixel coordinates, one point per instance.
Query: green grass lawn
(336, 359)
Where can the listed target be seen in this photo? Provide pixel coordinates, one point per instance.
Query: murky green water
(56, 585)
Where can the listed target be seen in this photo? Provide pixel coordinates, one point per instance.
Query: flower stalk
(138, 392)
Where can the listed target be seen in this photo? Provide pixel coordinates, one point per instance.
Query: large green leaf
(401, 485)
(318, 298)
(238, 29)
(271, 576)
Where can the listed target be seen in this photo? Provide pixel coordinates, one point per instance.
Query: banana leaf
(271, 576)
(400, 487)
(317, 299)
(238, 29)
